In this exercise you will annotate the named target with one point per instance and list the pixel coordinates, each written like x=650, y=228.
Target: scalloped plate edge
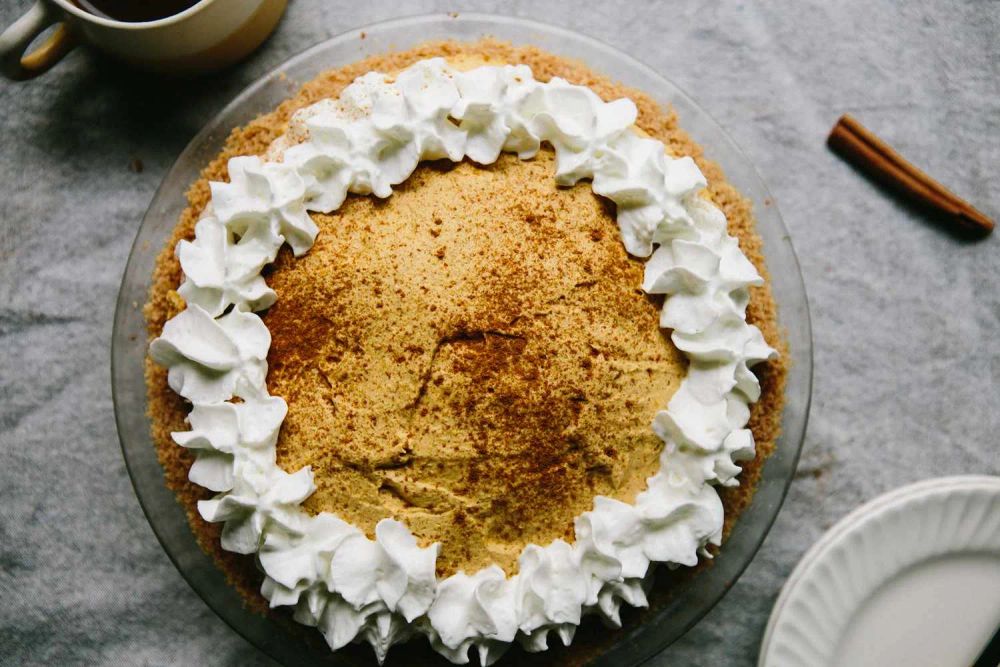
x=795, y=590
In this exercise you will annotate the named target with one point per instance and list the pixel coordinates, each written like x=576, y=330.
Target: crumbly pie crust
x=153, y=305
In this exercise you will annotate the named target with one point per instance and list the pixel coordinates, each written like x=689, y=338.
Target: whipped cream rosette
x=384, y=590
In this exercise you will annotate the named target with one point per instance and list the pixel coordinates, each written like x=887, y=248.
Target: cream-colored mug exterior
x=204, y=37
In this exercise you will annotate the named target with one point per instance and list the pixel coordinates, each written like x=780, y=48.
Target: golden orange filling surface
x=472, y=356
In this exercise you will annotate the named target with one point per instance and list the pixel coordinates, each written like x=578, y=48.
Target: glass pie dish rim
x=696, y=594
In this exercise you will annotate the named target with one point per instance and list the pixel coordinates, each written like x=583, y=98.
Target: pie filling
x=468, y=361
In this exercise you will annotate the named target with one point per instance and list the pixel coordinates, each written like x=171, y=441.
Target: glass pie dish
x=689, y=597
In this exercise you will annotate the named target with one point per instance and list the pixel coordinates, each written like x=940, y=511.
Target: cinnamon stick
x=856, y=144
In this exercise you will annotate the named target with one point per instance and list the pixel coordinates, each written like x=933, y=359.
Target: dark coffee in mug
x=134, y=11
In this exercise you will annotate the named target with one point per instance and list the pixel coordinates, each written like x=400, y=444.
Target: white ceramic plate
x=911, y=578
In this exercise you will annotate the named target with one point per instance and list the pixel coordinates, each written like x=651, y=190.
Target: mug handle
x=14, y=62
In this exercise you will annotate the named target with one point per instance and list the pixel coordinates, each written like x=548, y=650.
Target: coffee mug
x=209, y=35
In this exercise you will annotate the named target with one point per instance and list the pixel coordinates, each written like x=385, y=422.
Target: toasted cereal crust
x=167, y=410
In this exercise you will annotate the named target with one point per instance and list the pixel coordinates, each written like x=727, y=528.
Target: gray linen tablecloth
x=905, y=315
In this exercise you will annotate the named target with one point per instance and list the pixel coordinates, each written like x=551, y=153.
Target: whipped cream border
x=384, y=590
